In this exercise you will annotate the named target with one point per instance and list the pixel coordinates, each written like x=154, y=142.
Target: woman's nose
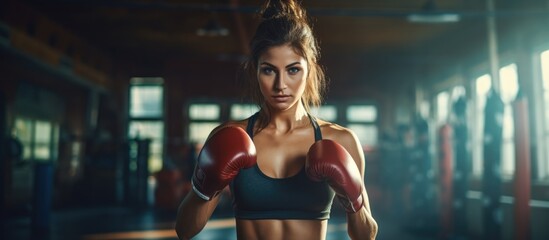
x=280, y=83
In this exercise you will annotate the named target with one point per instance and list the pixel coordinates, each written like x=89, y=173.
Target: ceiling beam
x=231, y=7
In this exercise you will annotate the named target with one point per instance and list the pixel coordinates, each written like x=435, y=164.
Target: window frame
x=508, y=165
x=477, y=128
x=161, y=118
x=52, y=144
x=540, y=121
x=226, y=105
x=223, y=116
x=342, y=108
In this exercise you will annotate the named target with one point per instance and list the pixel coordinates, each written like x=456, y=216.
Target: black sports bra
x=258, y=196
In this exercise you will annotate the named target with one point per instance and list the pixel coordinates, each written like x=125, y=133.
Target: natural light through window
x=23, y=131
x=361, y=113
x=199, y=131
x=544, y=61
x=243, y=111
x=152, y=130
x=204, y=111
x=204, y=117
x=545, y=77
x=146, y=101
x=508, y=91
x=443, y=101
x=457, y=92
x=508, y=82
x=147, y=117
x=325, y=112
x=362, y=120
x=367, y=134
x=482, y=86
x=42, y=138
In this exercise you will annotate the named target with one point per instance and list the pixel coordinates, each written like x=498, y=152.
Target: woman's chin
x=281, y=106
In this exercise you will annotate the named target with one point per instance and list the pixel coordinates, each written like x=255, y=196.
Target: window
x=367, y=134
x=508, y=91
x=544, y=159
x=243, y=111
x=40, y=138
x=23, y=131
x=545, y=81
x=198, y=132
x=204, y=117
x=152, y=130
x=508, y=83
x=146, y=101
x=481, y=87
x=443, y=107
x=146, y=114
x=361, y=119
x=457, y=92
x=361, y=113
x=325, y=112
x=204, y=111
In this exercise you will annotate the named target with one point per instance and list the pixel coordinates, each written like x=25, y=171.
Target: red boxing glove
x=328, y=160
x=223, y=155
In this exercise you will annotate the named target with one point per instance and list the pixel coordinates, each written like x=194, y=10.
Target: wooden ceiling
x=166, y=30
x=152, y=28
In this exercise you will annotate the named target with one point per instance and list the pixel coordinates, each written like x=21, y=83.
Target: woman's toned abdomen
x=272, y=229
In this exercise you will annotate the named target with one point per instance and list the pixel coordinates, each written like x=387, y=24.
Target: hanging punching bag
x=461, y=166
x=522, y=169
x=445, y=168
x=491, y=183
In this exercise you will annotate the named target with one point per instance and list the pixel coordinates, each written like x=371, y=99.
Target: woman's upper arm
x=240, y=124
x=348, y=139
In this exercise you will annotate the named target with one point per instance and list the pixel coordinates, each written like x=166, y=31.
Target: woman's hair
x=285, y=22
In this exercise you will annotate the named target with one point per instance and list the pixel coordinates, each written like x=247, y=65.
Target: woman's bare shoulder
x=240, y=124
x=336, y=132
x=347, y=138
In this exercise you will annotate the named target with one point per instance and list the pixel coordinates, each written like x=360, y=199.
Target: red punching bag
x=522, y=169
x=446, y=155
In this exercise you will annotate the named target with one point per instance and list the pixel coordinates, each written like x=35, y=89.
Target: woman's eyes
x=269, y=71
x=293, y=70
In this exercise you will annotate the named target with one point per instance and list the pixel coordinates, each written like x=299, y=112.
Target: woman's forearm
x=193, y=214
x=362, y=225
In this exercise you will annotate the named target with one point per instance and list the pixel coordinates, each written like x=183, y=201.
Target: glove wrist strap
x=198, y=193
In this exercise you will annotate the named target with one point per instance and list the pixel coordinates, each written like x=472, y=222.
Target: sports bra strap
x=251, y=124
x=316, y=127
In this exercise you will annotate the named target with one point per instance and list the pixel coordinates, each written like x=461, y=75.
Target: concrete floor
x=119, y=222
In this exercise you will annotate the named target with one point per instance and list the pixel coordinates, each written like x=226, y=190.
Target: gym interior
x=105, y=105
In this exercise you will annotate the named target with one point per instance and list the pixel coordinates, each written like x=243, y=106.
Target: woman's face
x=282, y=76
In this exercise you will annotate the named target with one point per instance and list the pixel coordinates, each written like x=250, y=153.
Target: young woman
x=283, y=165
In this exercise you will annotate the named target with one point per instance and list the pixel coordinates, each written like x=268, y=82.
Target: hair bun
x=283, y=8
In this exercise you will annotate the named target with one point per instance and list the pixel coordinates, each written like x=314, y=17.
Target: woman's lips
x=281, y=98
